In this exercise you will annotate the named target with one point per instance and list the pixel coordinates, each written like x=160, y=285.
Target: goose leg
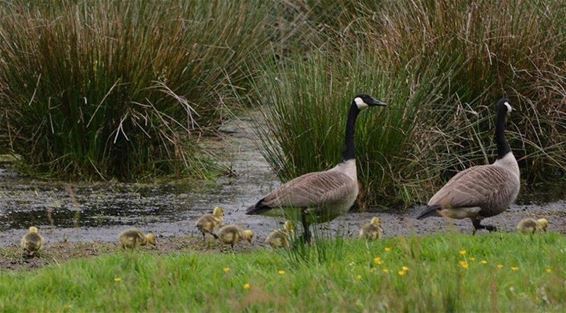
x=477, y=225
x=307, y=233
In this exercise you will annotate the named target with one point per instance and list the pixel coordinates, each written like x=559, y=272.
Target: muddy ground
x=85, y=219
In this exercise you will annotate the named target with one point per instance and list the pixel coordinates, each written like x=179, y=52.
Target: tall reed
x=102, y=89
x=441, y=65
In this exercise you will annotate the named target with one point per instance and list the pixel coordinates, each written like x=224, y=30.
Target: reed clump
x=441, y=65
x=122, y=89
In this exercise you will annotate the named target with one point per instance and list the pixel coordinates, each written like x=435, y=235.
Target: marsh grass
x=441, y=273
x=441, y=66
x=120, y=89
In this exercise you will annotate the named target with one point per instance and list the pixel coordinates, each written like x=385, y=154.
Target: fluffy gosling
x=232, y=234
x=132, y=238
x=530, y=225
x=280, y=238
x=208, y=222
x=372, y=230
x=32, y=241
x=542, y=224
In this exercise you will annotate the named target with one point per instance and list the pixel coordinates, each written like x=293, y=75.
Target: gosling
x=372, y=230
x=542, y=224
x=530, y=225
x=208, y=222
x=32, y=242
x=132, y=238
x=280, y=238
x=232, y=234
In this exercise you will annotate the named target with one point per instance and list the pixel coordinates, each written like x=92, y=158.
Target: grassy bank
x=442, y=273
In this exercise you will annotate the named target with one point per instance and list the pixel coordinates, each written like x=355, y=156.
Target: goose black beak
x=377, y=103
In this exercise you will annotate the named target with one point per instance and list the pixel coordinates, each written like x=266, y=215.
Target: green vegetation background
x=126, y=89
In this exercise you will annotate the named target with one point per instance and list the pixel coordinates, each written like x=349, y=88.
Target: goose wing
x=478, y=186
x=307, y=191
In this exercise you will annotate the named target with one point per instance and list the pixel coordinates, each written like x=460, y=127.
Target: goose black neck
x=350, y=150
x=502, y=144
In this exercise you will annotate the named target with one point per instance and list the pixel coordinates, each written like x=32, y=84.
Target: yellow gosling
x=232, y=234
x=542, y=224
x=281, y=238
x=32, y=241
x=132, y=238
x=208, y=222
x=372, y=230
x=530, y=225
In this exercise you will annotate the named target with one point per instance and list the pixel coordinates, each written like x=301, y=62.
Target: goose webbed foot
x=490, y=228
x=477, y=225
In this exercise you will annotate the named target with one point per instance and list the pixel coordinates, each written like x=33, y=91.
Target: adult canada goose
x=132, y=238
x=208, y=222
x=320, y=196
x=32, y=241
x=371, y=230
x=481, y=191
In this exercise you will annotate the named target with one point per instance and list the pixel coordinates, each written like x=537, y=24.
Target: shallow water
x=99, y=212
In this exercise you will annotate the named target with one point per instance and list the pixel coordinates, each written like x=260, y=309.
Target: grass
x=440, y=273
x=442, y=83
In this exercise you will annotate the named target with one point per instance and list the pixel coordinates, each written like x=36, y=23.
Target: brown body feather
x=326, y=194
x=489, y=188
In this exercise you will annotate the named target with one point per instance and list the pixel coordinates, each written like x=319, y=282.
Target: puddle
x=99, y=212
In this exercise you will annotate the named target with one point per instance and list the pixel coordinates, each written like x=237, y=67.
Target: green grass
x=531, y=279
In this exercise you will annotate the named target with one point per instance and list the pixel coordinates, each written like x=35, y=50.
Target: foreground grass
x=450, y=272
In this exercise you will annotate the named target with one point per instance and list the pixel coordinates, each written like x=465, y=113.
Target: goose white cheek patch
x=360, y=103
x=509, y=108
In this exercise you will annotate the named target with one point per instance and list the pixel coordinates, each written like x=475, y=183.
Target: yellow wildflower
x=499, y=266
x=226, y=269
x=483, y=262
x=281, y=272
x=402, y=273
x=404, y=268
x=472, y=259
x=548, y=270
x=359, y=277
x=377, y=260
x=462, y=252
x=247, y=286
x=463, y=264
x=514, y=268
x=387, y=249
x=386, y=270
x=117, y=279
